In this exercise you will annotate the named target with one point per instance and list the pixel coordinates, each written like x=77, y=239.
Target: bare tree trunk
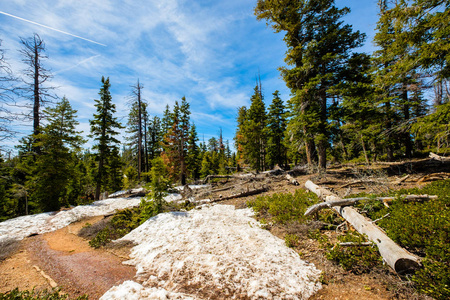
x=364, y=149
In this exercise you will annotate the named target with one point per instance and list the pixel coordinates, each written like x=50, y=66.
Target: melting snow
x=217, y=251
x=21, y=227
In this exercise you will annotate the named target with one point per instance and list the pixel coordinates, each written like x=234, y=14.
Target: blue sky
x=209, y=51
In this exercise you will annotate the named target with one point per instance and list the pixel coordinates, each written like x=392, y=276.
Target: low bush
x=284, y=207
x=35, y=295
x=424, y=229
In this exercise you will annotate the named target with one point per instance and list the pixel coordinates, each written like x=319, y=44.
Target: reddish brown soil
x=66, y=259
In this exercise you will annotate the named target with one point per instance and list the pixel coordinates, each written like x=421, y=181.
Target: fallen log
x=207, y=178
x=434, y=176
x=292, y=180
x=351, y=201
x=357, y=182
x=400, y=180
x=396, y=257
x=438, y=157
x=243, y=194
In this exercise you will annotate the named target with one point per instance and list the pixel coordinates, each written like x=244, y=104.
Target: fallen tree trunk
x=438, y=157
x=396, y=257
x=434, y=176
x=351, y=201
x=357, y=182
x=207, y=178
x=400, y=180
x=292, y=180
x=243, y=194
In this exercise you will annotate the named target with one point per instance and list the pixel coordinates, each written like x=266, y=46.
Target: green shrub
x=121, y=223
x=356, y=258
x=291, y=240
x=284, y=207
x=35, y=295
x=424, y=229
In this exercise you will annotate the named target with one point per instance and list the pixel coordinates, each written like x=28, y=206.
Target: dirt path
x=64, y=259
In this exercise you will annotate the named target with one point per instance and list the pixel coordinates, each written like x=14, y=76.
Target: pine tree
x=276, y=125
x=54, y=167
x=255, y=134
x=318, y=49
x=193, y=161
x=136, y=125
x=103, y=131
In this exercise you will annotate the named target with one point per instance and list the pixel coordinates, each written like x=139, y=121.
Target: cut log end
x=405, y=266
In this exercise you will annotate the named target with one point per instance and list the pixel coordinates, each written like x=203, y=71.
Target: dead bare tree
x=7, y=92
x=35, y=79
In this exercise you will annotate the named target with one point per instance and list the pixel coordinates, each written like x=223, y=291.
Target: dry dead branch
x=292, y=180
x=243, y=194
x=400, y=180
x=351, y=201
x=358, y=182
x=434, y=176
x=438, y=157
x=396, y=257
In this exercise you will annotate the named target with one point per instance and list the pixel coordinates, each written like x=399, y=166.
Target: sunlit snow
x=216, y=251
x=21, y=227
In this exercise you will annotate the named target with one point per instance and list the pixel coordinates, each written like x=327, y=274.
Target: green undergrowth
x=423, y=228
x=37, y=295
x=283, y=207
x=124, y=221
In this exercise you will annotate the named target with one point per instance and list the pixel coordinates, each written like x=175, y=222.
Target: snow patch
x=217, y=251
x=131, y=290
x=21, y=227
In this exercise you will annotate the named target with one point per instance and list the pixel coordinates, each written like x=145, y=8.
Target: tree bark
x=396, y=257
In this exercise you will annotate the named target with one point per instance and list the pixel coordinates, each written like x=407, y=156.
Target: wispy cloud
x=51, y=28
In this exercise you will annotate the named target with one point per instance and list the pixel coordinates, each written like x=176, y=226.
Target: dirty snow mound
x=131, y=290
x=216, y=252
x=24, y=226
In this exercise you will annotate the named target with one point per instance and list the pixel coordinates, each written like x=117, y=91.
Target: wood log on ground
x=438, y=157
x=357, y=182
x=351, y=201
x=292, y=180
x=400, y=180
x=243, y=194
x=207, y=178
x=350, y=244
x=396, y=257
x=434, y=176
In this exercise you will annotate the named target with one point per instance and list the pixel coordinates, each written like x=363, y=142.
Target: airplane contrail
x=76, y=65
x=51, y=28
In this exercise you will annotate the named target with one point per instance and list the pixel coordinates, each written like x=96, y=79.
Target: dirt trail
x=67, y=260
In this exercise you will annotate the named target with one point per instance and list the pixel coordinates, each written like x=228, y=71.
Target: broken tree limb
x=207, y=178
x=400, y=180
x=438, y=157
x=434, y=176
x=349, y=244
x=351, y=201
x=243, y=194
x=292, y=180
x=396, y=257
x=357, y=182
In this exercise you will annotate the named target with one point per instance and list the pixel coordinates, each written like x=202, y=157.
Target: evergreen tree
x=193, y=154
x=103, y=131
x=276, y=125
x=255, y=133
x=318, y=49
x=55, y=167
x=136, y=125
